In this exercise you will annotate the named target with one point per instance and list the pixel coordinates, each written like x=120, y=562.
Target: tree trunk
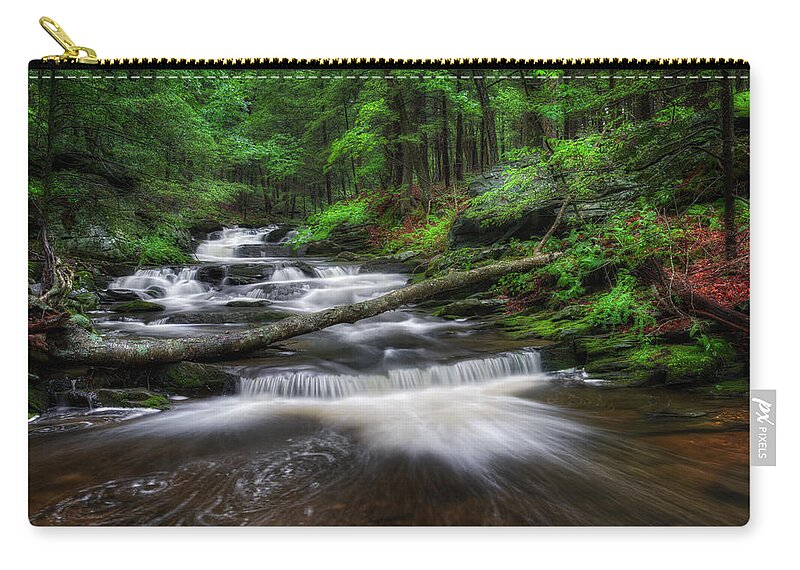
x=489, y=135
x=726, y=111
x=459, y=158
x=445, y=143
x=264, y=191
x=75, y=345
x=689, y=301
x=326, y=171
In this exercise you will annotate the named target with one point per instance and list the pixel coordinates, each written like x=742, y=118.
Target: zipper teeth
x=441, y=63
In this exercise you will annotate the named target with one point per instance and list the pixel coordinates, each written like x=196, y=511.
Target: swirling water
x=404, y=418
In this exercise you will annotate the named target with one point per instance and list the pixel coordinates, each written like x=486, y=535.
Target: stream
x=400, y=419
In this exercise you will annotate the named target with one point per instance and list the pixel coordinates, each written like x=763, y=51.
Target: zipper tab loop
x=72, y=52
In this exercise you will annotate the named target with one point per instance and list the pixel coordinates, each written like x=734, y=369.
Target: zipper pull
x=72, y=52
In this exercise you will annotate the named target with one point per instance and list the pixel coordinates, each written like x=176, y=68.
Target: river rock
x=82, y=321
x=129, y=398
x=37, y=395
x=247, y=303
x=284, y=291
x=249, y=250
x=119, y=295
x=390, y=264
x=201, y=230
x=138, y=306
x=346, y=256
x=213, y=274
x=86, y=300
x=307, y=269
x=154, y=292
x=194, y=379
x=323, y=247
x=248, y=273
x=471, y=308
x=117, y=270
x=278, y=234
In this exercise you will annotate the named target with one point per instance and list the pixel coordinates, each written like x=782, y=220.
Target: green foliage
x=428, y=237
x=580, y=258
x=688, y=360
x=635, y=235
x=346, y=212
x=645, y=356
x=714, y=346
x=741, y=104
x=35, y=190
x=622, y=305
x=159, y=250
x=514, y=284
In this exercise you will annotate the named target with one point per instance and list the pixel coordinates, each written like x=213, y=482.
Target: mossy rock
x=546, y=325
x=192, y=378
x=131, y=398
x=687, y=362
x=87, y=300
x=138, y=306
x=471, y=308
x=624, y=359
x=247, y=303
x=84, y=280
x=37, y=396
x=346, y=256
x=82, y=321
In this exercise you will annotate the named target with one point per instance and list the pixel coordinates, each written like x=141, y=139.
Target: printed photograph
x=406, y=297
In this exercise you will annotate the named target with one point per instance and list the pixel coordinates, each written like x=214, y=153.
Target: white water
x=309, y=384
x=180, y=283
x=288, y=287
x=383, y=421
x=222, y=245
x=400, y=382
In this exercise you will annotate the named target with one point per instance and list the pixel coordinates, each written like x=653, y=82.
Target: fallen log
x=689, y=300
x=77, y=346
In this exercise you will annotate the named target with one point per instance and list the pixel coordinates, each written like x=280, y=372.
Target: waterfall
x=288, y=273
x=304, y=384
x=243, y=243
x=161, y=282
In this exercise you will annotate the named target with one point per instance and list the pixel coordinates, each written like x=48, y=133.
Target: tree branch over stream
x=77, y=346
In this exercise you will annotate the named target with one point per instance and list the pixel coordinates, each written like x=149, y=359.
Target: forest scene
x=388, y=296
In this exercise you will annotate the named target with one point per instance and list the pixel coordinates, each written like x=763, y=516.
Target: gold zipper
x=77, y=55
x=72, y=52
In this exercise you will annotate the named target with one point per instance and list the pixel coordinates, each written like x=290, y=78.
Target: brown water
x=404, y=419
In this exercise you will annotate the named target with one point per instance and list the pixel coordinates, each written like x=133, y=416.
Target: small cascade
x=161, y=282
x=337, y=271
x=243, y=243
x=314, y=385
x=288, y=273
x=290, y=235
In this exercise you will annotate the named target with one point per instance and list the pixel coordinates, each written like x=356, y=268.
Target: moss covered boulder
x=130, y=398
x=471, y=308
x=624, y=360
x=82, y=321
x=194, y=379
x=568, y=323
x=37, y=396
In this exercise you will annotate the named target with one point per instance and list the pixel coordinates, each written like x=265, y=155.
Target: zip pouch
x=382, y=292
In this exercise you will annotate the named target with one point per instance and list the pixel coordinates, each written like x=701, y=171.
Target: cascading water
x=163, y=282
x=403, y=418
x=305, y=384
x=244, y=243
